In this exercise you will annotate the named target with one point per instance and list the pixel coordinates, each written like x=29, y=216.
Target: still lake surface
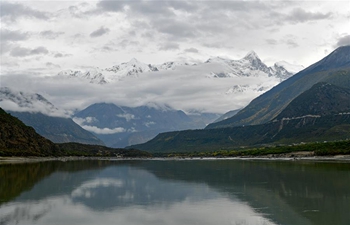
x=181, y=192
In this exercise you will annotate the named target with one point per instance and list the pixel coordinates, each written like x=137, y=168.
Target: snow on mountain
x=93, y=75
x=289, y=67
x=172, y=65
x=251, y=66
x=248, y=66
x=19, y=101
x=131, y=68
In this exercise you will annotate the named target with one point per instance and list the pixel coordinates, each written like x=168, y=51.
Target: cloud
x=127, y=116
x=169, y=46
x=299, y=15
x=18, y=101
x=61, y=55
x=13, y=35
x=192, y=50
x=50, y=34
x=52, y=65
x=99, y=32
x=81, y=122
x=23, y=52
x=13, y=11
x=343, y=41
x=271, y=41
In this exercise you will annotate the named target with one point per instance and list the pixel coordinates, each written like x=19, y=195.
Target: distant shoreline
x=275, y=157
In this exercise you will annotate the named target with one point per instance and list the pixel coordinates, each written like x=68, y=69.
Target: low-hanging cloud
x=81, y=122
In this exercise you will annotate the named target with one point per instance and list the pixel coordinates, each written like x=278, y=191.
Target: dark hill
x=20, y=139
x=322, y=99
x=57, y=129
x=334, y=69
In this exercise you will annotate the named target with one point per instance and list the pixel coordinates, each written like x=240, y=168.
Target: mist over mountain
x=47, y=120
x=184, y=85
x=249, y=66
x=120, y=126
x=334, y=69
x=313, y=105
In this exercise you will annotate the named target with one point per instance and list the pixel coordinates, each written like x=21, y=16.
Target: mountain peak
x=251, y=55
x=134, y=61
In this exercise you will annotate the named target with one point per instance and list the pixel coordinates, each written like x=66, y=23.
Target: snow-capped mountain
x=216, y=67
x=131, y=68
x=120, y=126
x=19, y=101
x=93, y=75
x=251, y=66
x=47, y=120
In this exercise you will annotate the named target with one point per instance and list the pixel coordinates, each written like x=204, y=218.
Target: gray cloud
x=61, y=55
x=193, y=50
x=50, y=34
x=23, y=52
x=271, y=41
x=112, y=6
x=299, y=15
x=169, y=46
x=99, y=32
x=343, y=41
x=13, y=35
x=13, y=11
x=52, y=65
x=291, y=43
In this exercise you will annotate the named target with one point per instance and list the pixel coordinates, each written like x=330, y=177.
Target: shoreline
x=275, y=157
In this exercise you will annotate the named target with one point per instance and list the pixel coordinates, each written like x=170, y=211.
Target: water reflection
x=176, y=192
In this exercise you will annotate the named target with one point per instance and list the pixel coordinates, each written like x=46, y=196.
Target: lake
x=169, y=192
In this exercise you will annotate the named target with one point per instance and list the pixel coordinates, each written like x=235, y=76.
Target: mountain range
x=216, y=67
x=313, y=105
x=120, y=126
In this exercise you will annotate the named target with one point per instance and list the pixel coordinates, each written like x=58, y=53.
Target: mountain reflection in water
x=175, y=192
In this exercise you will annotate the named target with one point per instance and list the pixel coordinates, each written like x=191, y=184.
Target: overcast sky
x=44, y=36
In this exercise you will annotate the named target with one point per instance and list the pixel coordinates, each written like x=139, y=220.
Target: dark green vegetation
x=334, y=69
x=301, y=150
x=322, y=99
x=17, y=139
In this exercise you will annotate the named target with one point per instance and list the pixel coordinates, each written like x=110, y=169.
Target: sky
x=41, y=38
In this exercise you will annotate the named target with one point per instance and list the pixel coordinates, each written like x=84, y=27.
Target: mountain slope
x=57, y=129
x=319, y=114
x=20, y=139
x=36, y=111
x=320, y=100
x=120, y=126
x=334, y=69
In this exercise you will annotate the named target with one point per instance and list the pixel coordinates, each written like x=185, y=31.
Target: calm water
x=175, y=192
